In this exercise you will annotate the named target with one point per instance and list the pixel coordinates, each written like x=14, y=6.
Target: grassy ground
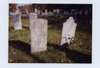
x=81, y=52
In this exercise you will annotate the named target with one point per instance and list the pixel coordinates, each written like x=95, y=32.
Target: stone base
x=18, y=28
x=38, y=49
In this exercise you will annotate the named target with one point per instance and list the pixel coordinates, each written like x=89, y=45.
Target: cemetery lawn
x=81, y=51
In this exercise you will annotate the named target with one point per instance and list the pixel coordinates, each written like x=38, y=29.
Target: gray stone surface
x=58, y=11
x=27, y=13
x=36, y=10
x=46, y=12
x=39, y=35
x=68, y=31
x=16, y=20
x=32, y=16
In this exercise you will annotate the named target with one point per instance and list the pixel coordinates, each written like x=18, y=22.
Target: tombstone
x=39, y=35
x=42, y=13
x=80, y=12
x=36, y=10
x=76, y=11
x=72, y=11
x=27, y=13
x=68, y=32
x=55, y=14
x=16, y=20
x=46, y=12
x=58, y=11
x=61, y=14
x=54, y=10
x=50, y=13
x=32, y=16
x=86, y=12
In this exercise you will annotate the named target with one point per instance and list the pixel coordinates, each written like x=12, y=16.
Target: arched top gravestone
x=68, y=32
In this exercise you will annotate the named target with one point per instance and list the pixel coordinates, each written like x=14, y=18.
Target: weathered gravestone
x=17, y=20
x=86, y=12
x=46, y=12
x=38, y=12
x=27, y=13
x=80, y=12
x=58, y=11
x=61, y=14
x=38, y=35
x=32, y=16
x=68, y=32
x=35, y=10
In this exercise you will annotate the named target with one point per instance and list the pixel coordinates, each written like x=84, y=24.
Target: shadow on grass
x=25, y=27
x=75, y=56
x=24, y=47
x=11, y=28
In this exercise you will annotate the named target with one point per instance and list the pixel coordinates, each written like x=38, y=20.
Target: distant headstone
x=72, y=11
x=50, y=13
x=68, y=32
x=42, y=13
x=55, y=14
x=58, y=11
x=86, y=12
x=54, y=10
x=36, y=10
x=27, y=13
x=76, y=11
x=46, y=12
x=32, y=16
x=39, y=35
x=16, y=20
x=80, y=12
x=61, y=14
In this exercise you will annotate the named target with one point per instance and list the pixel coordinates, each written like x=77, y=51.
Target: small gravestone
x=42, y=13
x=68, y=32
x=16, y=20
x=46, y=12
x=50, y=13
x=80, y=12
x=54, y=10
x=61, y=14
x=72, y=11
x=86, y=12
x=38, y=35
x=58, y=11
x=32, y=16
x=27, y=13
x=36, y=10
